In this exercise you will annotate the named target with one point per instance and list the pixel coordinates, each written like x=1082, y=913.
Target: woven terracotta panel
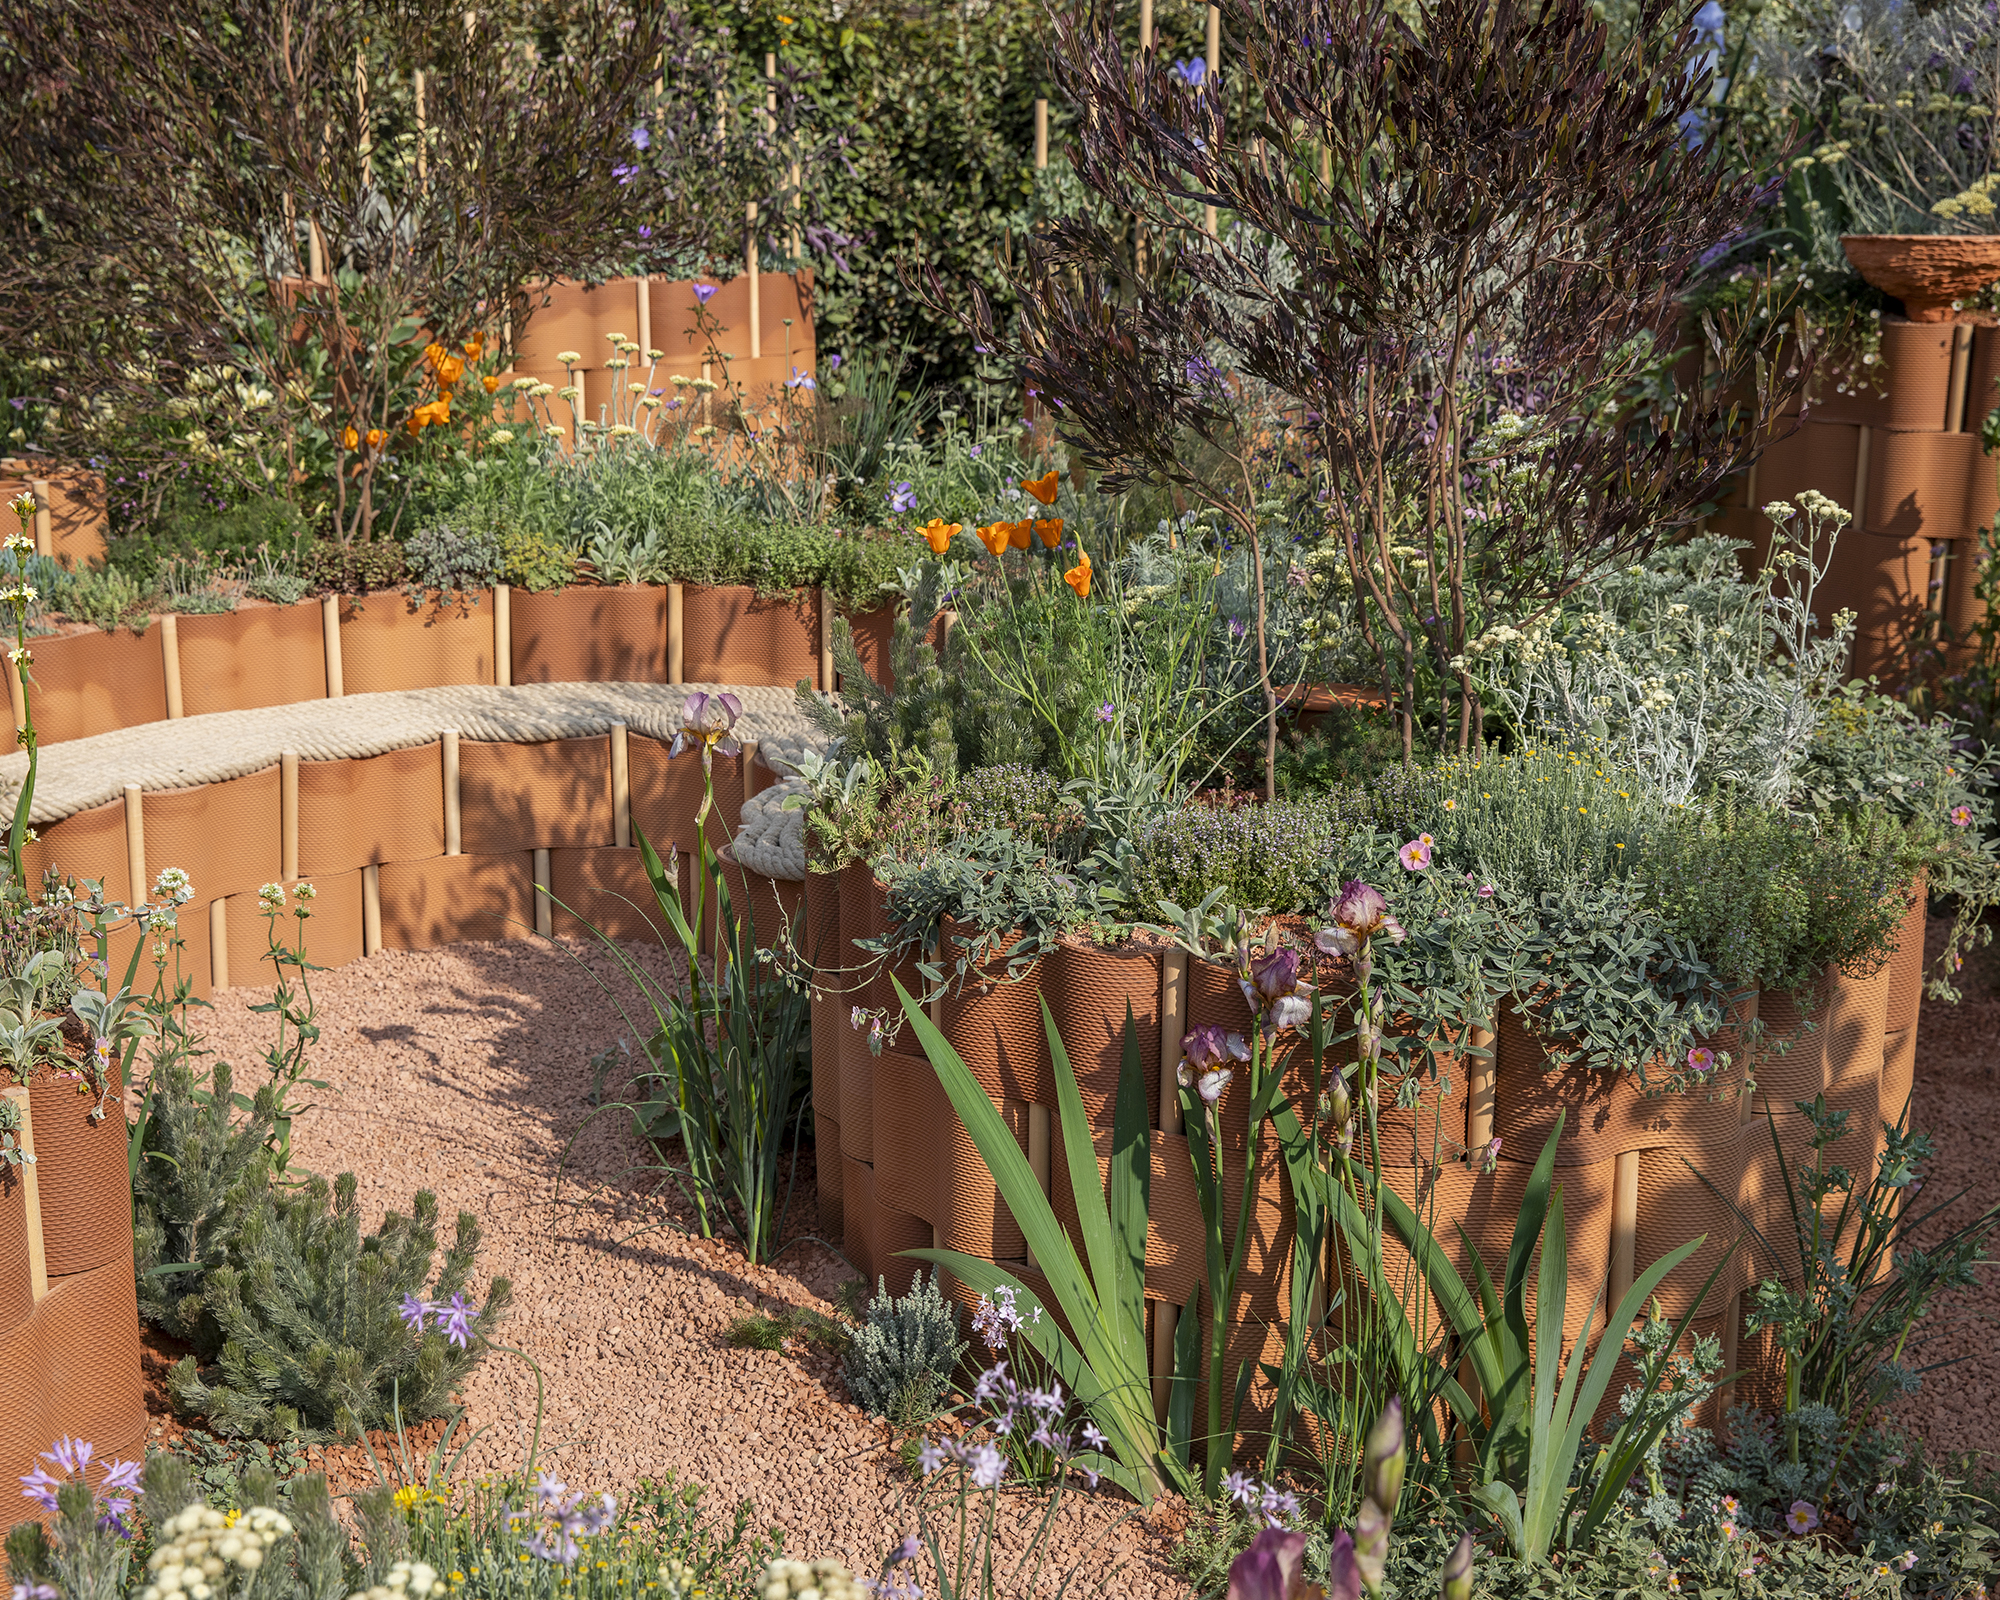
x=666, y=793
x=1820, y=455
x=1919, y=483
x=995, y=1024
x=383, y=645
x=17, y=1289
x=332, y=933
x=1856, y=1011
x=1675, y=1205
x=926, y=1164
x=258, y=656
x=26, y=1398
x=856, y=1110
x=90, y=845
x=551, y=795
x=80, y=1170
x=826, y=1152
x=730, y=635
x=591, y=635
x=1432, y=1129
x=829, y=1014
x=604, y=889
x=96, y=682
x=1215, y=997
x=452, y=898
x=1089, y=989
x=224, y=836
x=1906, y=387
x=368, y=810
x=1899, y=1071
x=764, y=907
x=1906, y=966
x=1791, y=1059
x=877, y=1233
x=873, y=633
x=93, y=1350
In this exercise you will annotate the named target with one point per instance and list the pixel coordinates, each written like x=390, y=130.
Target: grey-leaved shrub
x=904, y=1352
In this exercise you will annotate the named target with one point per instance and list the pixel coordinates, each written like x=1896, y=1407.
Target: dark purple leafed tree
x=1443, y=295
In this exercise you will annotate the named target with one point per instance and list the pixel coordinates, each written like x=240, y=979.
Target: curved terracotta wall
x=262, y=655
x=1901, y=450
x=909, y=1176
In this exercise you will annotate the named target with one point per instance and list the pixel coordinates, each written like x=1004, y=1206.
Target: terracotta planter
x=1920, y=484
x=994, y=1022
x=81, y=1173
x=1908, y=386
x=86, y=683
x=874, y=632
x=615, y=634
x=1089, y=989
x=17, y=1287
x=1604, y=1112
x=1927, y=272
x=829, y=1016
x=1790, y=1060
x=1906, y=966
x=253, y=657
x=860, y=918
x=730, y=635
x=385, y=646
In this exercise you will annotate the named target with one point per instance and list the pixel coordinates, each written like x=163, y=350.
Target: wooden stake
x=826, y=615
x=1624, y=1224
x=644, y=285
x=676, y=643
x=1173, y=1024
x=453, y=833
x=1481, y=1078
x=38, y=1260
x=1166, y=1318
x=503, y=634
x=1961, y=363
x=170, y=660
x=1041, y=135
x=361, y=117
x=1145, y=24
x=756, y=299
x=545, y=911
x=288, y=815
x=1213, y=59
x=423, y=162
x=329, y=614
x=1861, y=451
x=621, y=788
x=45, y=528
x=1038, y=1150
x=371, y=909
x=218, y=944
x=746, y=766
x=135, y=843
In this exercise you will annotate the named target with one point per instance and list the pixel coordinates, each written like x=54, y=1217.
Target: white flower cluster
x=407, y=1580
x=204, y=1551
x=795, y=1580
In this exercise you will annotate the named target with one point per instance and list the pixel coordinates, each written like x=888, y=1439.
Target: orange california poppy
x=376, y=436
x=434, y=353
x=996, y=536
x=1042, y=488
x=491, y=382
x=449, y=371
x=1017, y=533
x=349, y=438
x=1078, y=576
x=475, y=347
x=1049, y=531
x=940, y=534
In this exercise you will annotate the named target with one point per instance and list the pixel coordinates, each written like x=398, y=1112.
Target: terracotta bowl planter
x=1927, y=272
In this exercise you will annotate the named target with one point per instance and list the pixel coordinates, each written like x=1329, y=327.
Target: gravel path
x=465, y=1070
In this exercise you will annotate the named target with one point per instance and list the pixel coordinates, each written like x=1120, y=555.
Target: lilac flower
x=40, y=1486
x=549, y=1489
x=642, y=138
x=455, y=1319
x=413, y=1313
x=36, y=1591
x=800, y=380
x=1191, y=72
x=902, y=497
x=833, y=363
x=977, y=450
x=929, y=1458
x=553, y=1544
x=905, y=1552
x=708, y=720
x=1209, y=1045
x=704, y=292
x=1107, y=712
x=1236, y=628
x=988, y=1466
x=1092, y=1438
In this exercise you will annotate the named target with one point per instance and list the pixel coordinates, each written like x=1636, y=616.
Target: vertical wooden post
x=676, y=643
x=453, y=834
x=315, y=252
x=1861, y=453
x=288, y=815
x=329, y=615
x=218, y=943
x=645, y=292
x=503, y=634
x=1038, y=1151
x=1145, y=24
x=1166, y=1321
x=417, y=90
x=750, y=267
x=361, y=118
x=621, y=788
x=45, y=527
x=371, y=909
x=38, y=1260
x=826, y=616
x=1481, y=1078
x=746, y=766
x=545, y=912
x=1961, y=365
x=135, y=843
x=170, y=660
x=1624, y=1224
x=1173, y=1024
x=1041, y=134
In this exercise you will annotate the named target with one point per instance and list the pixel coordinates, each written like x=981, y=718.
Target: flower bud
x=1383, y=1458
x=1458, y=1571
x=1371, y=1544
x=1340, y=1104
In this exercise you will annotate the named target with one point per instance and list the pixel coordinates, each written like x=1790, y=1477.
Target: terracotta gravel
x=465, y=1070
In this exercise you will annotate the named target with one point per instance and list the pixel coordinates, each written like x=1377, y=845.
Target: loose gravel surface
x=466, y=1071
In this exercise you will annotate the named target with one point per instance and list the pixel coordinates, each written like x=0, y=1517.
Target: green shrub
x=1031, y=803
x=1277, y=856
x=190, y=526
x=104, y=597
x=353, y=569
x=903, y=1354
x=316, y=1320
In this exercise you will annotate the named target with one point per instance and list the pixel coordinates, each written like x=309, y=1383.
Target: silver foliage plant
x=904, y=1352
x=1682, y=670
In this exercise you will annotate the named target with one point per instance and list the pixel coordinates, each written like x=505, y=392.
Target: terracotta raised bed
x=257, y=655
x=17, y=1286
x=81, y=1172
x=95, y=682
x=614, y=634
x=384, y=645
x=731, y=635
